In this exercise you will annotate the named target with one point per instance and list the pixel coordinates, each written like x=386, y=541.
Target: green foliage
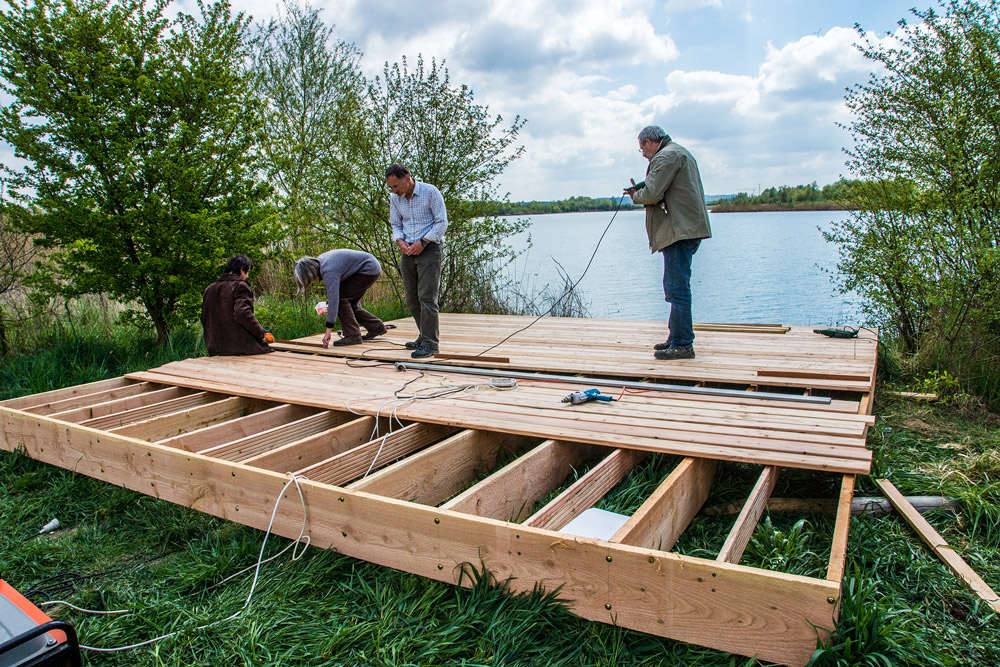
x=140, y=138
x=923, y=245
x=419, y=118
x=787, y=197
x=788, y=550
x=571, y=205
x=871, y=633
x=310, y=82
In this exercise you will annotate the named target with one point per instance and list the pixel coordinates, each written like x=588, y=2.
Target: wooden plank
x=587, y=424
x=746, y=522
x=90, y=399
x=939, y=545
x=586, y=491
x=146, y=412
x=723, y=606
x=473, y=357
x=511, y=492
x=272, y=438
x=319, y=447
x=838, y=547
x=35, y=400
x=188, y=419
x=119, y=405
x=376, y=454
x=669, y=510
x=437, y=473
x=255, y=422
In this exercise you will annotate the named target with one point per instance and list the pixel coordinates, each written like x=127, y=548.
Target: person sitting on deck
x=346, y=275
x=227, y=316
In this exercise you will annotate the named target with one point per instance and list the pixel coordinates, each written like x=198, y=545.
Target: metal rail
x=627, y=384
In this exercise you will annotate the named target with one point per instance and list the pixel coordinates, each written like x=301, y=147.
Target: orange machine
x=29, y=638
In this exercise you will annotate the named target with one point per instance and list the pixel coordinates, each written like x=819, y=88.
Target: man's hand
x=414, y=248
x=326, y=338
x=630, y=190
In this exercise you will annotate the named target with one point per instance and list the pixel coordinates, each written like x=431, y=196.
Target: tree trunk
x=3, y=335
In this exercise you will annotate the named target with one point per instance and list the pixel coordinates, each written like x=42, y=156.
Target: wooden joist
x=687, y=426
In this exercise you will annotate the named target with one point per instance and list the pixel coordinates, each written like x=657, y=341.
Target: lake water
x=757, y=267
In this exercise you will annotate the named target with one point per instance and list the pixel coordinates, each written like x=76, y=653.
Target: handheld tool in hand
x=578, y=397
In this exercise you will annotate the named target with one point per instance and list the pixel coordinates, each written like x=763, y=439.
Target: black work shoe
x=672, y=353
x=424, y=351
x=376, y=333
x=413, y=344
x=665, y=345
x=348, y=340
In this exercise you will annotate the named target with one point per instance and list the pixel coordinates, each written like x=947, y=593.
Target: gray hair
x=652, y=133
x=306, y=273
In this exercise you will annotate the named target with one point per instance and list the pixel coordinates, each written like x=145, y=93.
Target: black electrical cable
x=568, y=291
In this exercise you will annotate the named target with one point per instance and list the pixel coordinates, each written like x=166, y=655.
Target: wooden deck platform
x=743, y=354
x=415, y=484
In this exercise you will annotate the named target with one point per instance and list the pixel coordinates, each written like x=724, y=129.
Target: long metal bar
x=628, y=384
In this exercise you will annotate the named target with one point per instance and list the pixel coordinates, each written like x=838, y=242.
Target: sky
x=753, y=88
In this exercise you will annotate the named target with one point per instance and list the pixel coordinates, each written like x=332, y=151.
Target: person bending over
x=346, y=275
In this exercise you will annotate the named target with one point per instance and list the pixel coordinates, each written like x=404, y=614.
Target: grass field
x=167, y=564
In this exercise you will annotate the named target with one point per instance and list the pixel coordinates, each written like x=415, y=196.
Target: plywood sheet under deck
x=768, y=432
x=741, y=354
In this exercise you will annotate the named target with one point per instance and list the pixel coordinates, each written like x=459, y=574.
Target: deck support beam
x=719, y=605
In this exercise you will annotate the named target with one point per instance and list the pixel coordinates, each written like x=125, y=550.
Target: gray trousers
x=421, y=279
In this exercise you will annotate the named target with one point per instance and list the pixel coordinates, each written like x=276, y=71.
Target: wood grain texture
x=719, y=605
x=939, y=545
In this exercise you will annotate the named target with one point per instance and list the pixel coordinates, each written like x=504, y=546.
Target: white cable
x=85, y=611
x=260, y=561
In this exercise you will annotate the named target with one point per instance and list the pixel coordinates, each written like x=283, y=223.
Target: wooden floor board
x=739, y=353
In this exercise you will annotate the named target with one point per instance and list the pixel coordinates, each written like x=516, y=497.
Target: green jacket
x=673, y=180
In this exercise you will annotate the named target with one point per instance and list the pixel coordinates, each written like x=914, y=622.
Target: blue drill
x=578, y=397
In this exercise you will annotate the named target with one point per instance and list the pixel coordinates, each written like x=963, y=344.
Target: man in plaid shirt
x=418, y=219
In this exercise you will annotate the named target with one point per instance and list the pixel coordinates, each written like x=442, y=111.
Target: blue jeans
x=677, y=290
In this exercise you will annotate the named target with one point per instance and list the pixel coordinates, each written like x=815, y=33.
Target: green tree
x=141, y=140
x=419, y=118
x=922, y=246
x=309, y=80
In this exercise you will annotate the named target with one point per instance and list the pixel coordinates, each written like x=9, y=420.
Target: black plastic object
x=49, y=654
x=838, y=332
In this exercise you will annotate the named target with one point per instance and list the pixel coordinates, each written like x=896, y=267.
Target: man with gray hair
x=418, y=219
x=346, y=275
x=676, y=222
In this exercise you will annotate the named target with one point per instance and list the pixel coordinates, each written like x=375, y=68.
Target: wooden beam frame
x=375, y=454
x=319, y=447
x=116, y=404
x=272, y=438
x=511, y=492
x=669, y=510
x=437, y=473
x=170, y=424
x=715, y=604
x=582, y=494
x=746, y=522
